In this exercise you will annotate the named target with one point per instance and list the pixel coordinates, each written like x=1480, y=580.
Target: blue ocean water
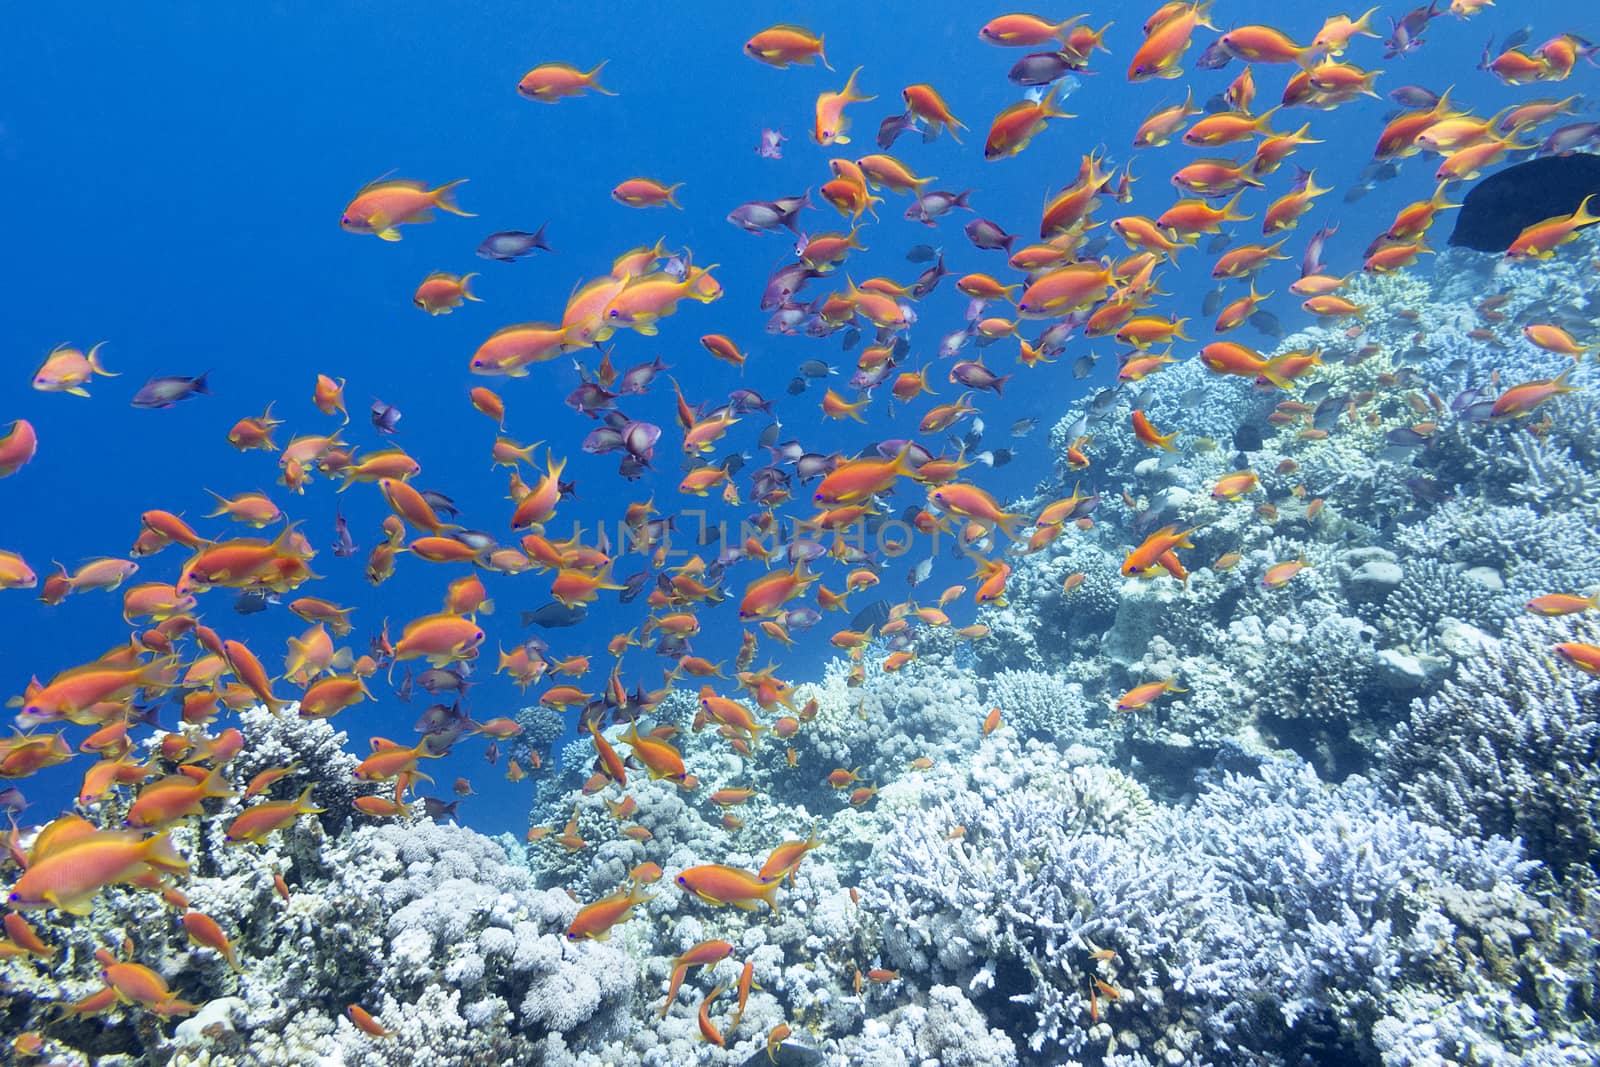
x=182, y=172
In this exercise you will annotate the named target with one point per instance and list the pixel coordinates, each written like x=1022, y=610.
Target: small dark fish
x=440, y=503
x=1217, y=104
x=919, y=573
x=1043, y=68
x=438, y=680
x=589, y=398
x=437, y=809
x=922, y=254
x=11, y=800
x=784, y=283
x=632, y=586
x=1316, y=392
x=1024, y=426
x=1406, y=437
x=890, y=129
x=637, y=379
x=1325, y=416
x=929, y=279
x=851, y=338
x=744, y=401
x=1103, y=401
x=796, y=386
x=344, y=546
x=1215, y=57
x=874, y=615
x=1516, y=38
x=798, y=620
x=554, y=615
x=385, y=417
x=1414, y=96
x=1219, y=243
x=1094, y=246
x=1311, y=262
x=402, y=692
x=252, y=601
x=1428, y=491
x=1000, y=457
x=815, y=368
x=1213, y=301
x=975, y=375
x=169, y=391
x=1266, y=322
x=508, y=246
x=987, y=235
x=602, y=440
x=492, y=753
x=812, y=465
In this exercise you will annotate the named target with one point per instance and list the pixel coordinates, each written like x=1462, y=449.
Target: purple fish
x=440, y=503
x=929, y=279
x=955, y=341
x=1215, y=57
x=787, y=319
x=987, y=235
x=744, y=401
x=871, y=377
x=640, y=438
x=762, y=216
x=916, y=454
x=590, y=398
x=798, y=619
x=974, y=375
x=1413, y=96
x=890, y=129
x=1311, y=262
x=1043, y=68
x=930, y=206
x=12, y=800
x=402, y=691
x=1570, y=138
x=636, y=380
x=771, y=144
x=168, y=391
x=344, y=545
x=784, y=283
x=508, y=246
x=384, y=416
x=602, y=440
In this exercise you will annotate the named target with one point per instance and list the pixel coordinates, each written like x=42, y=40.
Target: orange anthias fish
x=784, y=45
x=717, y=884
x=594, y=921
x=386, y=204
x=1142, y=696
x=442, y=292
x=1017, y=125
x=550, y=82
x=1522, y=399
x=67, y=370
x=1167, y=38
x=1150, y=436
x=68, y=873
x=1145, y=560
x=831, y=122
x=1541, y=240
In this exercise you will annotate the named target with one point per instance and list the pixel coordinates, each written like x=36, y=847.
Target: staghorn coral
x=1510, y=746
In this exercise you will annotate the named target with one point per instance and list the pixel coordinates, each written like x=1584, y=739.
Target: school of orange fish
x=66, y=865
